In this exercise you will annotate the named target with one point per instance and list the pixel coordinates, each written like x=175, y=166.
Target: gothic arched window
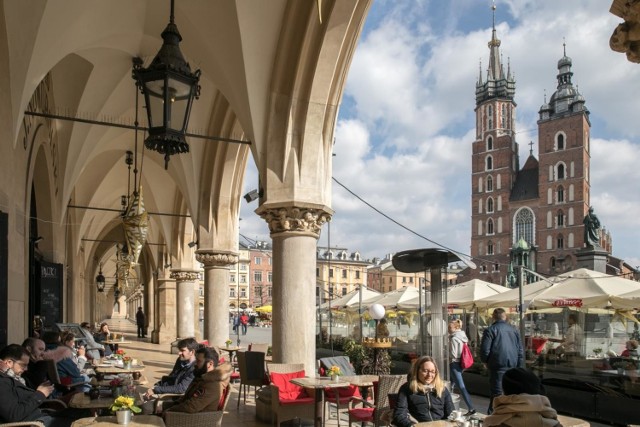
x=523, y=226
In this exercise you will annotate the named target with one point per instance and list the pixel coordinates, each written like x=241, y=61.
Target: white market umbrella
x=627, y=300
x=351, y=299
x=466, y=293
x=581, y=288
x=403, y=298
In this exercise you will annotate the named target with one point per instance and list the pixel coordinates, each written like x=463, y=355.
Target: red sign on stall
x=568, y=302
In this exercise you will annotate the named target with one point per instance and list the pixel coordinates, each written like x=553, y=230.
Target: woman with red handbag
x=457, y=340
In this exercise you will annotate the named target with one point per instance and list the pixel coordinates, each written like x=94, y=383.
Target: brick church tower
x=538, y=208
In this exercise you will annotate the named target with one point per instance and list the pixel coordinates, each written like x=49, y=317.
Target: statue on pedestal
x=591, y=229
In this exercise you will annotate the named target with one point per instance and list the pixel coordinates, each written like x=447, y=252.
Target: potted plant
x=127, y=362
x=119, y=353
x=123, y=406
x=117, y=386
x=334, y=372
x=228, y=342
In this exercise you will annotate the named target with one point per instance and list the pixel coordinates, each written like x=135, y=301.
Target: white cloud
x=404, y=143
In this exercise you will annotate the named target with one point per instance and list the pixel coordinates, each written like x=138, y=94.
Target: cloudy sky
x=406, y=124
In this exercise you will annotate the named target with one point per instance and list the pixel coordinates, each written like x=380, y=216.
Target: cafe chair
x=24, y=423
x=337, y=396
x=252, y=372
x=255, y=346
x=199, y=419
x=374, y=412
x=288, y=400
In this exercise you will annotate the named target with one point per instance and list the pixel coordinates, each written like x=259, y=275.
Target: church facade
x=537, y=208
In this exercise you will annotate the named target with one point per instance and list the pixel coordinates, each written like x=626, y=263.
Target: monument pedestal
x=593, y=259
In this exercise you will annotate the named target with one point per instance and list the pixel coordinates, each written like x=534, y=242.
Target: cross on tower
x=531, y=148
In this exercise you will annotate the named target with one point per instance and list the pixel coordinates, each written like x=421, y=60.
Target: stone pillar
x=216, y=293
x=295, y=231
x=149, y=308
x=185, y=304
x=593, y=259
x=166, y=326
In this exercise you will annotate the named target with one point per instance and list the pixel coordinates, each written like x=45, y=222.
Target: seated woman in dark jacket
x=424, y=397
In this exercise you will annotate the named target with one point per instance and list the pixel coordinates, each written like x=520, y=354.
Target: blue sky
x=405, y=128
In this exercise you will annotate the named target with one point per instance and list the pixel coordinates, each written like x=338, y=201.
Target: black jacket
x=501, y=347
x=18, y=402
x=423, y=407
x=178, y=380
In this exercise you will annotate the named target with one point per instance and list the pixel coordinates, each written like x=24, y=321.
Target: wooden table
x=136, y=421
x=231, y=350
x=318, y=385
x=83, y=401
x=363, y=382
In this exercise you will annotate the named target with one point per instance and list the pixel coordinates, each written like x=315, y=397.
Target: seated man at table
x=206, y=392
x=522, y=403
x=182, y=373
x=19, y=402
x=36, y=373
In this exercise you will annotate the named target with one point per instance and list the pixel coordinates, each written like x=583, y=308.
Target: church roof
x=526, y=186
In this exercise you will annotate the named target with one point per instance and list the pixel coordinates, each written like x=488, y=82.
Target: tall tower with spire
x=540, y=206
x=494, y=162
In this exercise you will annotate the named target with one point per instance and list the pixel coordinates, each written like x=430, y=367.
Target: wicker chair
x=302, y=407
x=255, y=346
x=24, y=423
x=199, y=419
x=373, y=413
x=252, y=372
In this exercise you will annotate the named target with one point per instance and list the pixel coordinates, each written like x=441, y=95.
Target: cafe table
x=231, y=349
x=83, y=401
x=115, y=343
x=115, y=369
x=363, y=382
x=136, y=421
x=318, y=384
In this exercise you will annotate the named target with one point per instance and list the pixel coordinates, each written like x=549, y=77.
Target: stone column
x=149, y=308
x=295, y=231
x=185, y=304
x=166, y=327
x=216, y=293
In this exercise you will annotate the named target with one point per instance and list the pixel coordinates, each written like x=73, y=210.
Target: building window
x=490, y=248
x=560, y=194
x=560, y=241
x=344, y=273
x=357, y=274
x=243, y=267
x=560, y=171
x=503, y=116
x=258, y=292
x=489, y=163
x=344, y=291
x=410, y=279
x=269, y=260
x=496, y=267
x=553, y=262
x=490, y=205
x=243, y=278
x=489, y=183
x=331, y=272
x=317, y=272
x=523, y=222
x=232, y=292
x=560, y=141
x=404, y=280
x=560, y=219
x=269, y=277
x=243, y=293
x=232, y=278
x=269, y=291
x=257, y=260
x=490, y=143
x=490, y=226
x=257, y=276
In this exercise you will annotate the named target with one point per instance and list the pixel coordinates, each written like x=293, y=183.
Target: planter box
x=476, y=383
x=573, y=398
x=616, y=409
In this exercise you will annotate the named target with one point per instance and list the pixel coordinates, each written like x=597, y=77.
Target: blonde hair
x=457, y=323
x=415, y=385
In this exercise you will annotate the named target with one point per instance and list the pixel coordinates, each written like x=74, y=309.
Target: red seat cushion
x=223, y=397
x=344, y=393
x=286, y=389
x=361, y=414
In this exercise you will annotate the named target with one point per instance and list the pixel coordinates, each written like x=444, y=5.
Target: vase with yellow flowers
x=124, y=406
x=334, y=372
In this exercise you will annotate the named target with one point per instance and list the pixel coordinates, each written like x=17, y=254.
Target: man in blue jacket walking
x=501, y=349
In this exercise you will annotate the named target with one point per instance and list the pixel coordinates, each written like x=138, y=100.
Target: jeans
x=244, y=329
x=456, y=378
x=495, y=382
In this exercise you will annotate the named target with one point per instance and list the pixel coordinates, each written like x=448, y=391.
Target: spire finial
x=531, y=148
x=493, y=8
x=545, y=96
x=171, y=16
x=564, y=47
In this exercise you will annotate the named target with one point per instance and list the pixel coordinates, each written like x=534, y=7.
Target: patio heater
x=432, y=259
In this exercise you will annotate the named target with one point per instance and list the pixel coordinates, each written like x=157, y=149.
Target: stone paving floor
x=159, y=361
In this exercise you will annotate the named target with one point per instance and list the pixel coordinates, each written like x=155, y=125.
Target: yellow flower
x=125, y=402
x=334, y=370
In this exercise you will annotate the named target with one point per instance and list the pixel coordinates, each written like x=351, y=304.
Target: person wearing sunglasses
x=424, y=396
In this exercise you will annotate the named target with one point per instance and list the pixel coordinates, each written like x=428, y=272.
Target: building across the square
x=537, y=208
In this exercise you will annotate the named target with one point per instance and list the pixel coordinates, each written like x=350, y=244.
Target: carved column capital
x=212, y=258
x=185, y=275
x=626, y=37
x=303, y=219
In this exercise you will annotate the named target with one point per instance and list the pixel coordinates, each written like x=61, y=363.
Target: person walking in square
x=140, y=321
x=457, y=338
x=500, y=349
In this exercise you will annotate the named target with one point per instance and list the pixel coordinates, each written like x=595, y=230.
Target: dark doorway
x=4, y=260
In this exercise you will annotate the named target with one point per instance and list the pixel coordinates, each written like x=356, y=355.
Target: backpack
x=466, y=358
